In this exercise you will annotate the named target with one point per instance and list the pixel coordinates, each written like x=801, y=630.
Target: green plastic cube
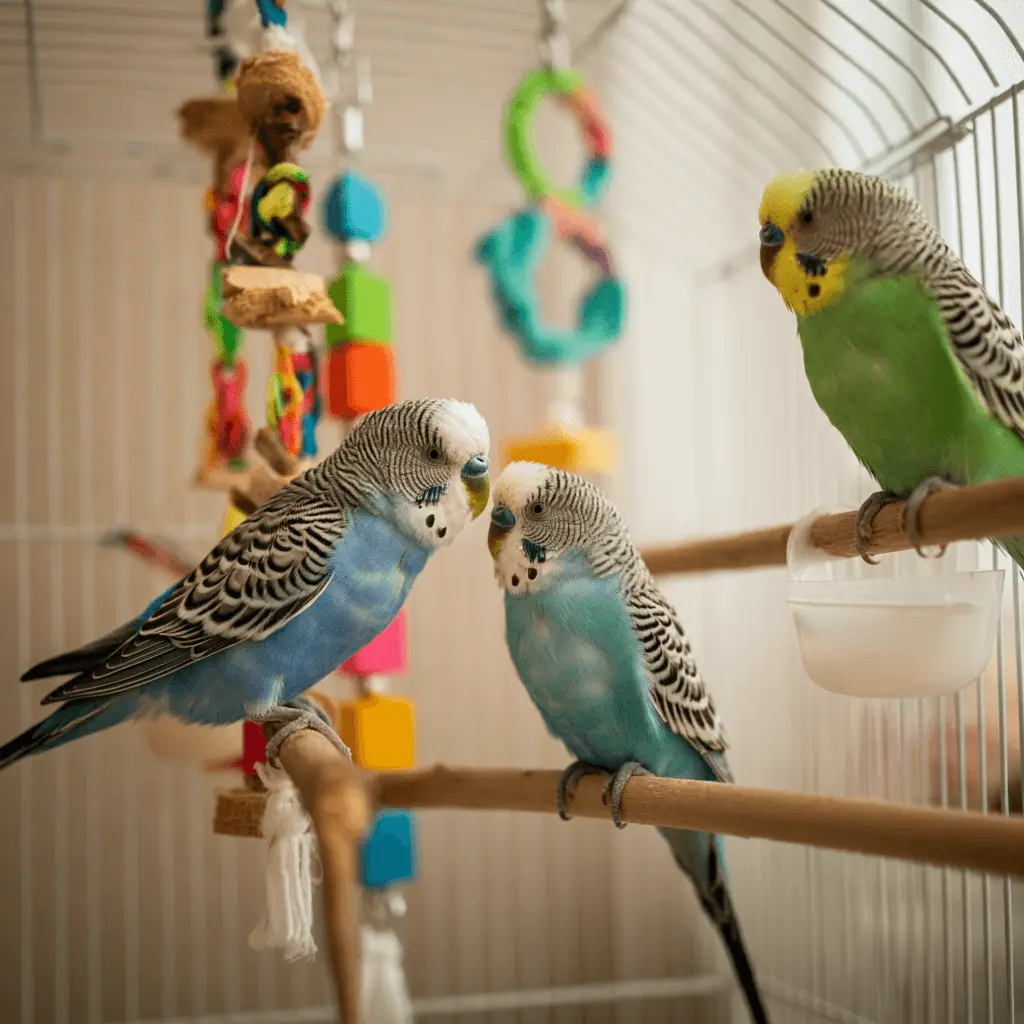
x=364, y=299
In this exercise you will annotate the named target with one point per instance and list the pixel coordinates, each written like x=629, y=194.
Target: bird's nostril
x=477, y=466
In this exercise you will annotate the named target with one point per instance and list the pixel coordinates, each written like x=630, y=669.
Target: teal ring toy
x=513, y=250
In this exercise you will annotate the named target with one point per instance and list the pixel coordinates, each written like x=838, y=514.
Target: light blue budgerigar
x=306, y=581
x=605, y=659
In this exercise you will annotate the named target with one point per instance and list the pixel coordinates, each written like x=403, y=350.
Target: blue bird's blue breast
x=374, y=566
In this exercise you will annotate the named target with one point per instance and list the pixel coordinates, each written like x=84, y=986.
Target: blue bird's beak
x=502, y=522
x=476, y=483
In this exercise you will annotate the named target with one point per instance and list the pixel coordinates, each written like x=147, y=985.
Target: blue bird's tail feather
x=699, y=855
x=69, y=722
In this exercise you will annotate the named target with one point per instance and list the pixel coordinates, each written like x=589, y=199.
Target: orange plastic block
x=380, y=731
x=576, y=451
x=387, y=654
x=360, y=378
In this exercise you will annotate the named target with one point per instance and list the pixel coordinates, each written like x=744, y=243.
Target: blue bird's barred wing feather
x=675, y=685
x=268, y=570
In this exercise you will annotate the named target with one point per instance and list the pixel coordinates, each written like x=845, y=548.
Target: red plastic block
x=387, y=654
x=360, y=378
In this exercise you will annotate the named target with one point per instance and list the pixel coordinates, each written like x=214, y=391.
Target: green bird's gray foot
x=926, y=488
x=865, y=517
x=570, y=780
x=301, y=713
x=616, y=784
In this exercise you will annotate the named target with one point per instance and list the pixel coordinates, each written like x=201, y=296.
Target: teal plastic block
x=389, y=854
x=364, y=299
x=354, y=209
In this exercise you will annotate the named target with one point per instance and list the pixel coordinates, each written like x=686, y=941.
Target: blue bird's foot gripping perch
x=298, y=714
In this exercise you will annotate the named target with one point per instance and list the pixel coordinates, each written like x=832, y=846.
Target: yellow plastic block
x=380, y=731
x=232, y=517
x=576, y=451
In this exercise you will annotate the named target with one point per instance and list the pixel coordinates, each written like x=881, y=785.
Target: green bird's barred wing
x=986, y=342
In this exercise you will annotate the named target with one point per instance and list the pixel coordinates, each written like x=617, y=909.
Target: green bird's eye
x=806, y=217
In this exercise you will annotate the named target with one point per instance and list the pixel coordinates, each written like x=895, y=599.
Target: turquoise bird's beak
x=502, y=522
x=477, y=483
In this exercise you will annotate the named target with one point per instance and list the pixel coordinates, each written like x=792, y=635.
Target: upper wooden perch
x=967, y=513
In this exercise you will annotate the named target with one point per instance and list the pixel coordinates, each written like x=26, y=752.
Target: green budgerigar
x=907, y=354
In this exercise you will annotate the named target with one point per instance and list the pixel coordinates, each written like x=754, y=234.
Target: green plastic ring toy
x=566, y=86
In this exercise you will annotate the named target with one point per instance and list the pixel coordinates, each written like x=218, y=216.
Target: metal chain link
x=555, y=48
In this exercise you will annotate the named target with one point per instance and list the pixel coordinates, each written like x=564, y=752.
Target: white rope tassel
x=385, y=997
x=287, y=922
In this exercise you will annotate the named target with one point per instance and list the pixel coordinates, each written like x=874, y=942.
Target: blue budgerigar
x=306, y=581
x=605, y=659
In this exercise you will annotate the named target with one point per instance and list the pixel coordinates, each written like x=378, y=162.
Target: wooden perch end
x=966, y=513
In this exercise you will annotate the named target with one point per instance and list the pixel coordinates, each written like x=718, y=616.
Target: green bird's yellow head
x=808, y=236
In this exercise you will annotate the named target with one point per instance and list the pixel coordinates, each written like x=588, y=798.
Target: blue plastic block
x=389, y=854
x=354, y=209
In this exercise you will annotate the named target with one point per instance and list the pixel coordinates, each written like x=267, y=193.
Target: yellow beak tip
x=478, y=493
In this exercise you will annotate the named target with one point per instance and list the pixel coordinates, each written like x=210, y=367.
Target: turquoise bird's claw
x=616, y=784
x=570, y=780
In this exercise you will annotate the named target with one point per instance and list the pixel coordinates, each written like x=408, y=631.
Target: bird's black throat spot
x=812, y=265
x=515, y=580
x=531, y=573
x=430, y=521
x=814, y=290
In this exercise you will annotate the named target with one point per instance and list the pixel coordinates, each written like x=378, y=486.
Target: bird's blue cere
x=501, y=515
x=771, y=235
x=475, y=468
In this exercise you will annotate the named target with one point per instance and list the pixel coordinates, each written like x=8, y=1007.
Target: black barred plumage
x=276, y=563
x=850, y=211
x=576, y=515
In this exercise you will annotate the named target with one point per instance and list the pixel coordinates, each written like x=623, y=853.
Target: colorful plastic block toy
x=232, y=517
x=354, y=209
x=380, y=731
x=576, y=451
x=360, y=378
x=389, y=854
x=364, y=300
x=387, y=654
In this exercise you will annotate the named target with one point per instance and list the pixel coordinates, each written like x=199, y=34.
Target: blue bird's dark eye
x=771, y=235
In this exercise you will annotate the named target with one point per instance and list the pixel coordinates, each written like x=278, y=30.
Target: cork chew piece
x=267, y=82
x=276, y=297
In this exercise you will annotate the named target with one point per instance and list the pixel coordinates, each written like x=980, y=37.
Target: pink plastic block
x=385, y=655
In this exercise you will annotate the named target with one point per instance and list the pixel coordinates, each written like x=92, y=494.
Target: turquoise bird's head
x=545, y=522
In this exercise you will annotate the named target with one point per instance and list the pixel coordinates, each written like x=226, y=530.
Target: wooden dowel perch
x=967, y=513
x=336, y=797
x=958, y=839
